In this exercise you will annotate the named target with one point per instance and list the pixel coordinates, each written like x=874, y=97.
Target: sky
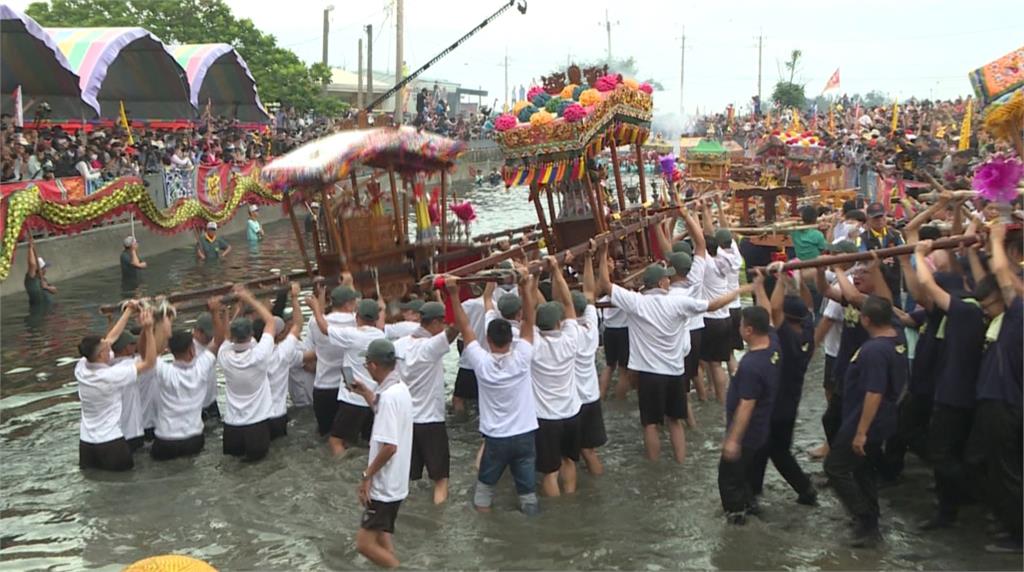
x=903, y=48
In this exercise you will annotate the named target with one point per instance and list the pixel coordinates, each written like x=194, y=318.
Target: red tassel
x=449, y=311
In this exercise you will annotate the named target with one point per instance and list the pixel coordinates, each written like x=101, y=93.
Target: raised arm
x=760, y=294
x=706, y=219
x=527, y=285
x=1009, y=285
x=604, y=284
x=33, y=260
x=664, y=244
x=724, y=300
x=559, y=287
x=149, y=349
x=262, y=311
x=778, y=297
x=220, y=324
x=488, y=297
x=589, y=285
x=848, y=290
x=700, y=246
x=296, y=325
x=136, y=261
x=115, y=331
x=461, y=319
x=316, y=306
x=723, y=220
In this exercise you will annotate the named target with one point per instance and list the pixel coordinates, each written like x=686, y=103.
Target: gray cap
x=654, y=273
x=431, y=311
x=509, y=305
x=380, y=350
x=724, y=237
x=681, y=262
x=579, y=302
x=342, y=295
x=844, y=247
x=123, y=341
x=241, y=329
x=548, y=315
x=204, y=323
x=211, y=225
x=128, y=241
x=415, y=304
x=368, y=309
x=682, y=246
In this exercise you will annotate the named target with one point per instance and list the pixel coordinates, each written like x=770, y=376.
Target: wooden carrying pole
x=535, y=197
x=332, y=227
x=222, y=289
x=444, y=214
x=828, y=260
x=618, y=176
x=298, y=233
x=396, y=209
x=551, y=209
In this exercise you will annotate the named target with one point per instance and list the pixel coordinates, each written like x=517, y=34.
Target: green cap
x=548, y=315
x=509, y=305
x=368, y=310
x=342, y=295
x=844, y=247
x=415, y=304
x=682, y=246
x=654, y=273
x=380, y=351
x=505, y=265
x=723, y=237
x=681, y=262
x=431, y=311
x=545, y=289
x=204, y=323
x=579, y=302
x=123, y=341
x=241, y=329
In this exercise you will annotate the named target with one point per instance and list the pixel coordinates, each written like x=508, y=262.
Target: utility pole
x=327, y=31
x=760, y=41
x=506, y=81
x=369, y=64
x=608, y=30
x=399, y=100
x=682, y=72
x=359, y=89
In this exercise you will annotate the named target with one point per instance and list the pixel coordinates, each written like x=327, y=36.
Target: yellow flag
x=126, y=125
x=796, y=121
x=965, y=128
x=895, y=116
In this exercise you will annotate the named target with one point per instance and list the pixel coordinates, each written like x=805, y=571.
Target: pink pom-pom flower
x=574, y=113
x=504, y=122
x=534, y=91
x=997, y=178
x=646, y=88
x=464, y=211
x=606, y=82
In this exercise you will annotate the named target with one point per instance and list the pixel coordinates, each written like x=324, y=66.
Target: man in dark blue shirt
x=748, y=408
x=871, y=388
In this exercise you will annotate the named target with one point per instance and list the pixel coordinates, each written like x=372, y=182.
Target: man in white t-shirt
x=555, y=345
x=466, y=387
x=287, y=356
x=410, y=320
x=202, y=336
x=422, y=369
x=124, y=348
x=729, y=252
x=508, y=415
x=354, y=418
x=302, y=375
x=385, y=482
x=245, y=363
x=330, y=357
x=182, y=390
x=100, y=386
x=659, y=341
x=592, y=431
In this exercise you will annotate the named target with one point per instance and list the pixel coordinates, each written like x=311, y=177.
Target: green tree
x=789, y=94
x=280, y=75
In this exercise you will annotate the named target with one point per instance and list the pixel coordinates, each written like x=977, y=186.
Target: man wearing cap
x=203, y=333
x=355, y=416
x=509, y=307
x=130, y=263
x=422, y=370
x=410, y=320
x=729, y=256
x=465, y=380
x=182, y=387
x=287, y=354
x=253, y=228
x=211, y=246
x=39, y=290
x=385, y=482
x=658, y=343
x=330, y=358
x=245, y=363
x=100, y=386
x=592, y=431
x=508, y=415
x=131, y=403
x=716, y=341
x=879, y=235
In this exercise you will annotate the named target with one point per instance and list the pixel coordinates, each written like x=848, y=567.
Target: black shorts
x=380, y=516
x=211, y=411
x=465, y=384
x=114, y=455
x=325, y=408
x=149, y=434
x=616, y=347
x=691, y=362
x=660, y=396
x=430, y=450
x=557, y=439
x=135, y=443
x=278, y=426
x=716, y=345
x=352, y=422
x=592, y=433
x=737, y=339
x=250, y=441
x=166, y=449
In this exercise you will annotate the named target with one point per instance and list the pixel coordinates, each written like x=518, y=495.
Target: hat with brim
x=549, y=314
x=844, y=247
x=431, y=311
x=794, y=307
x=875, y=210
x=368, y=310
x=343, y=295
x=723, y=237
x=123, y=341
x=654, y=273
x=380, y=350
x=211, y=226
x=683, y=246
x=680, y=262
x=413, y=305
x=241, y=329
x=579, y=302
x=509, y=305
x=204, y=323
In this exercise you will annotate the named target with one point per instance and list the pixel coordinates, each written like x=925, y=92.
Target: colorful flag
x=560, y=172
x=19, y=113
x=126, y=125
x=965, y=128
x=831, y=120
x=833, y=82
x=545, y=174
x=895, y=116
x=795, y=125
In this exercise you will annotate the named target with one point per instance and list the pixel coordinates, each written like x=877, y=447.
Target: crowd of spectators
x=434, y=114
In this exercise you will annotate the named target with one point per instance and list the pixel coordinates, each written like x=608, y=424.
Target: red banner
x=214, y=184
x=53, y=190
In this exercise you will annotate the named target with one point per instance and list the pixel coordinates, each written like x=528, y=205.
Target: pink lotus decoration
x=606, y=82
x=646, y=88
x=504, y=122
x=574, y=113
x=464, y=211
x=534, y=91
x=997, y=178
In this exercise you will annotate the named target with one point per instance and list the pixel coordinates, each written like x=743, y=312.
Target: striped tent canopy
x=32, y=60
x=218, y=77
x=129, y=65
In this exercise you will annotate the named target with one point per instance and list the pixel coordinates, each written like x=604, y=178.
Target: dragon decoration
x=27, y=209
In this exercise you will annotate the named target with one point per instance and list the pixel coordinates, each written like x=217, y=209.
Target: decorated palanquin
x=550, y=141
x=709, y=159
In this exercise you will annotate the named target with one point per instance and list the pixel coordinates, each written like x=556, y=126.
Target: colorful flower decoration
x=519, y=106
x=504, y=122
x=540, y=100
x=631, y=83
x=525, y=113
x=574, y=112
x=646, y=88
x=997, y=178
x=590, y=97
x=577, y=91
x=607, y=82
x=464, y=211
x=552, y=105
x=533, y=92
x=567, y=91
x=563, y=104
x=541, y=118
